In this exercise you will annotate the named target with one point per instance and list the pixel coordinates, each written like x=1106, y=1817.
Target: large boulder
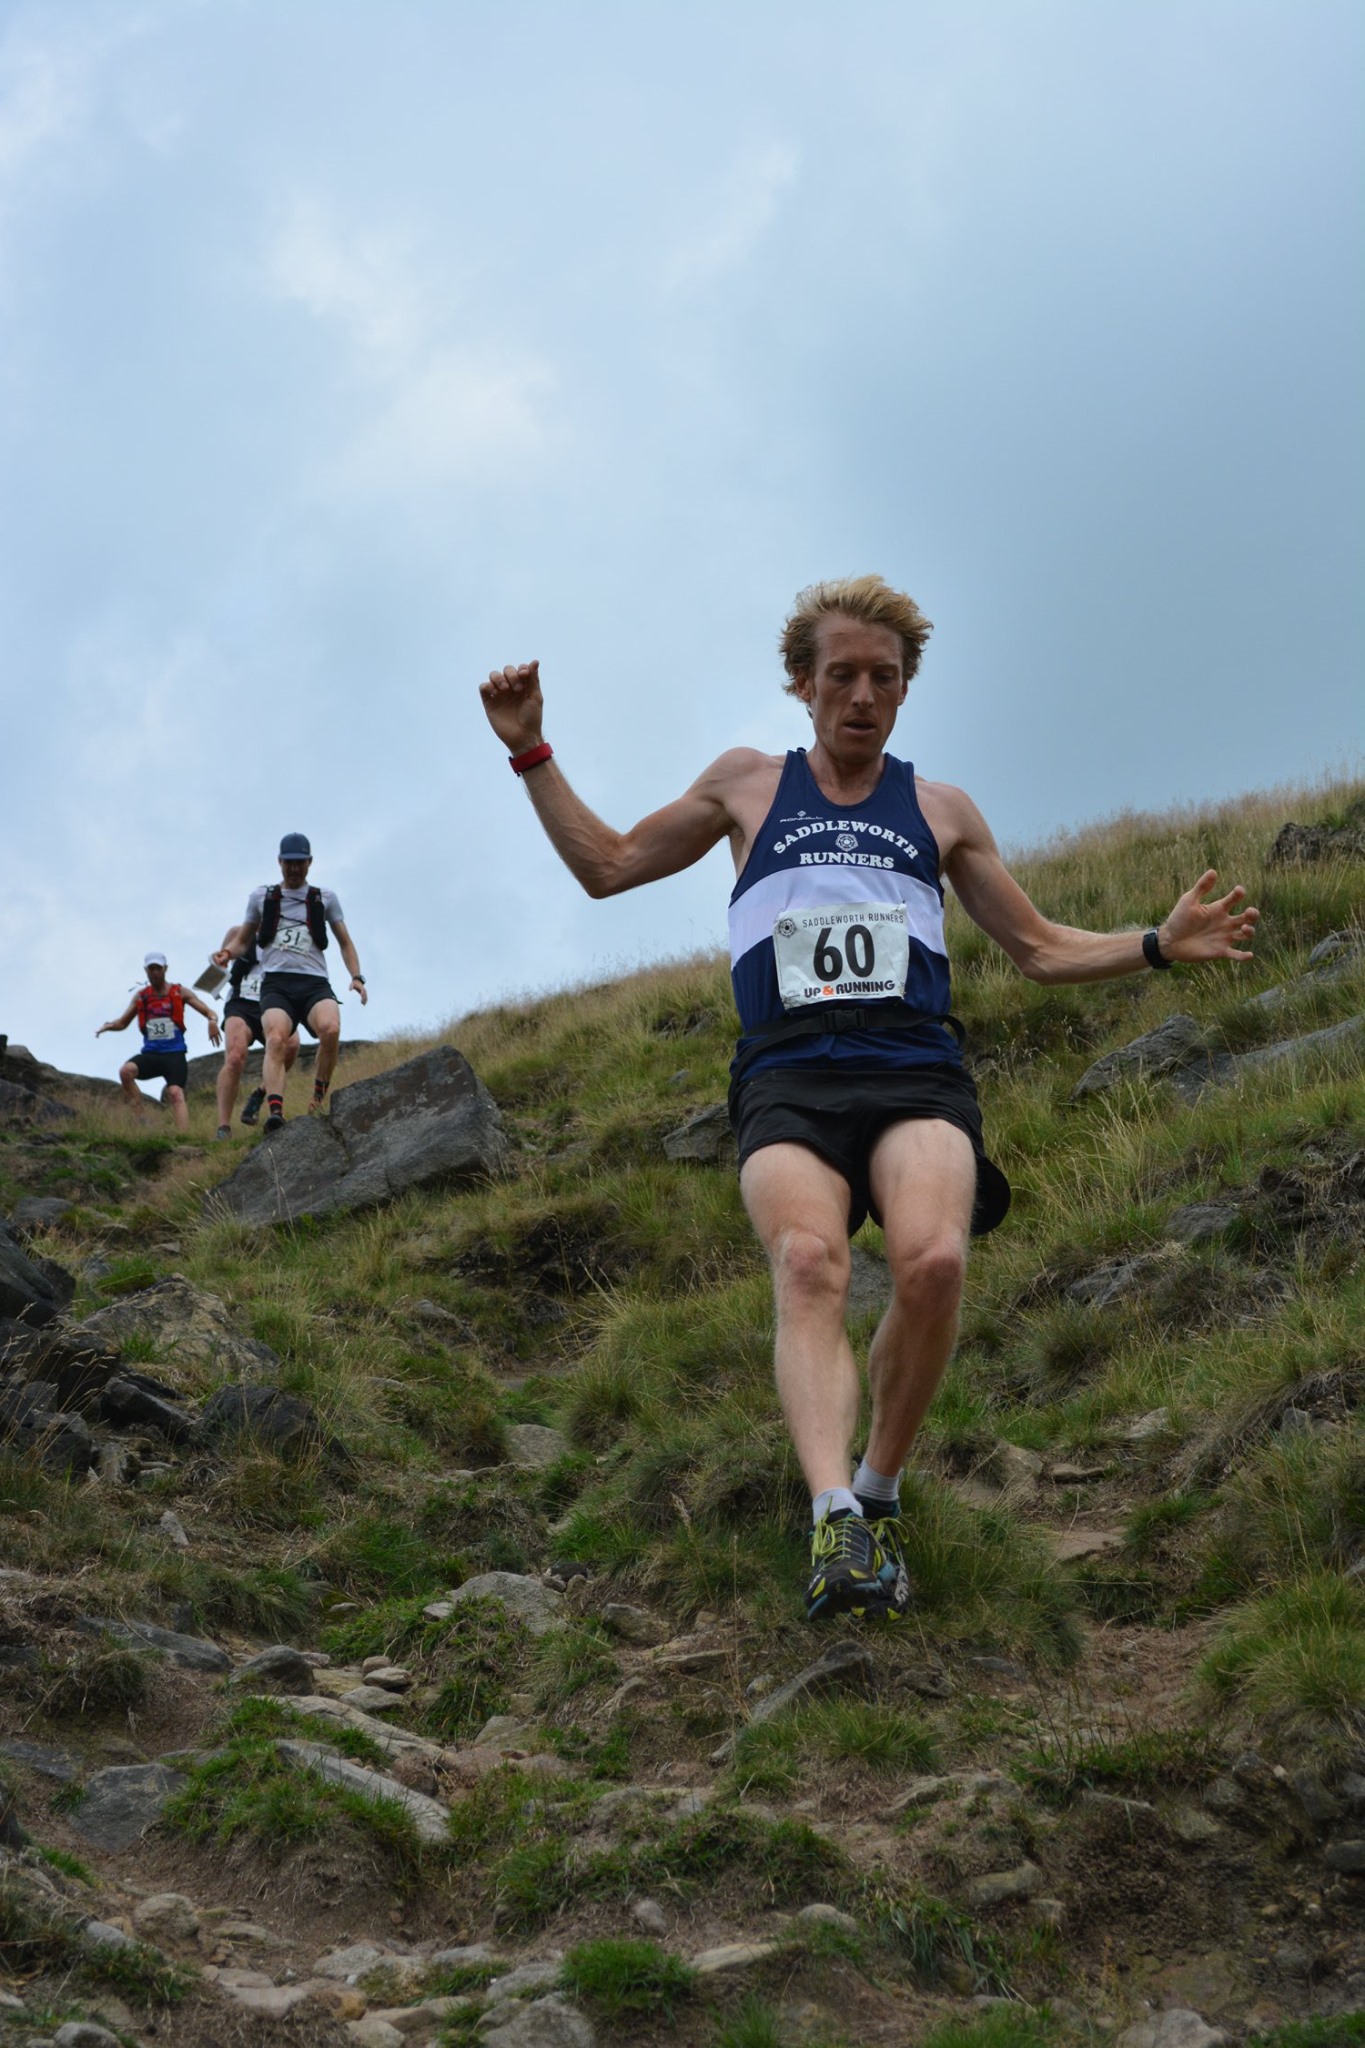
x=193, y=1334
x=32, y=1290
x=427, y=1123
x=35, y=1078
x=1175, y=1045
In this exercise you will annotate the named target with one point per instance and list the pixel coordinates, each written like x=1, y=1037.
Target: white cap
x=154, y=960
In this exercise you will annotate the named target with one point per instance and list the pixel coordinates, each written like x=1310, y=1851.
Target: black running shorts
x=841, y=1115
x=171, y=1067
x=250, y=1014
x=297, y=994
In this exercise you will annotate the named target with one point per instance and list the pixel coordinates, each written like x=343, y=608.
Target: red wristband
x=532, y=758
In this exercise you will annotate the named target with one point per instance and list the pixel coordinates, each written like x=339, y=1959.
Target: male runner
x=287, y=921
x=241, y=1026
x=160, y=1012
x=848, y=1095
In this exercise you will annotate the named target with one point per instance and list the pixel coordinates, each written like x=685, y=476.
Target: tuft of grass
x=245, y=1789
x=937, y=1940
x=1145, y=1760
x=776, y=1755
x=482, y=1650
x=1295, y=1658
x=66, y=1863
x=97, y=1681
x=1295, y=1505
x=567, y=1661
x=1002, y=2026
x=138, y=1971
x=128, y=1275
x=755, y=2025
x=627, y=1979
x=1340, y=2030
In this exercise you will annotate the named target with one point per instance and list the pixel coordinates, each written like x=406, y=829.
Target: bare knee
x=127, y=1073
x=233, y=1063
x=810, y=1265
x=277, y=1041
x=929, y=1278
x=329, y=1037
x=175, y=1096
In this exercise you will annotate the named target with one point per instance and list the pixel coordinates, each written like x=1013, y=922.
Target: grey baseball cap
x=294, y=846
x=154, y=959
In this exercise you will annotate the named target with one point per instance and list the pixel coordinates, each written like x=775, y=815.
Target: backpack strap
x=317, y=919
x=270, y=915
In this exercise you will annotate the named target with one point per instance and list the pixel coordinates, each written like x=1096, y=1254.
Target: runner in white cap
x=160, y=1012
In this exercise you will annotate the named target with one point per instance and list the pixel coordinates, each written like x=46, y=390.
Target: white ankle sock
x=830, y=1503
x=871, y=1485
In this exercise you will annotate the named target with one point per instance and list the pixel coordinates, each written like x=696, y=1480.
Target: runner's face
x=856, y=690
x=295, y=872
x=156, y=976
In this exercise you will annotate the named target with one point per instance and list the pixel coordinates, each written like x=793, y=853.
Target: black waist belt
x=819, y=1018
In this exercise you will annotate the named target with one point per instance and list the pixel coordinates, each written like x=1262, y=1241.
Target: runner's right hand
x=512, y=699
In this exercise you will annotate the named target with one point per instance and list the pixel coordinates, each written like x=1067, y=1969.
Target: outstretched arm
x=1196, y=929
x=119, y=1023
x=352, y=959
x=605, y=861
x=215, y=1035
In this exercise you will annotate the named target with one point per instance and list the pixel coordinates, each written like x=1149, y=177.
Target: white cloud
x=442, y=404
x=745, y=209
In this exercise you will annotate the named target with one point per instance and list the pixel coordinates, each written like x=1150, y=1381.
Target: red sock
x=275, y=1104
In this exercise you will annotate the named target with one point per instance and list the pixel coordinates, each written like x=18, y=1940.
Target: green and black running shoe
x=853, y=1572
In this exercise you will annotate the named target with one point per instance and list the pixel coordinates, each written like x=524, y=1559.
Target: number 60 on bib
x=841, y=952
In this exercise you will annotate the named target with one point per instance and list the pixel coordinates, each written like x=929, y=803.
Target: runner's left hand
x=358, y=985
x=1196, y=930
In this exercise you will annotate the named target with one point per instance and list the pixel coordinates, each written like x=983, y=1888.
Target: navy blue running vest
x=811, y=853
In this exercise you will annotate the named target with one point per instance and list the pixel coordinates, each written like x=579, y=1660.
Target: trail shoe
x=274, y=1122
x=853, y=1573
x=251, y=1108
x=223, y=1131
x=887, y=1528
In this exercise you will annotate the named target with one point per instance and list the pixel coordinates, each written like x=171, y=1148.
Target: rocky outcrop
x=48, y=1090
x=192, y=1333
x=1299, y=845
x=33, y=1290
x=427, y=1123
x=1183, y=1053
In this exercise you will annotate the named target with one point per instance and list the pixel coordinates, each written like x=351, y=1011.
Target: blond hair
x=868, y=598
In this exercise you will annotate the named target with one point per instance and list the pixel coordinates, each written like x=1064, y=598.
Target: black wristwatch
x=1151, y=950
x=361, y=979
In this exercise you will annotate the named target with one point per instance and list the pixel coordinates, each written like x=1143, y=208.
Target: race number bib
x=841, y=953
x=159, y=1029
x=250, y=991
x=294, y=938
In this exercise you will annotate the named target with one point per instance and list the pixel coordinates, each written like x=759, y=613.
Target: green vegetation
x=245, y=1787
x=781, y=1753
x=622, y=1299
x=627, y=1979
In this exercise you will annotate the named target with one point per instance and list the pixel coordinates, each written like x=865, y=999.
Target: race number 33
x=841, y=951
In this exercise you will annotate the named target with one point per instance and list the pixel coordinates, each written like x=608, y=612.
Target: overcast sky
x=347, y=350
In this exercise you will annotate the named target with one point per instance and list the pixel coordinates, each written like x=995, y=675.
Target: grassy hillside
x=1204, y=1428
